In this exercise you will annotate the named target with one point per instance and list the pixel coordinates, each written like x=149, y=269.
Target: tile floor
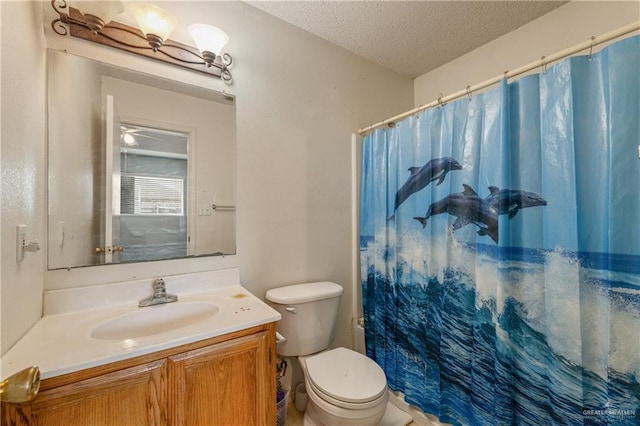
x=294, y=417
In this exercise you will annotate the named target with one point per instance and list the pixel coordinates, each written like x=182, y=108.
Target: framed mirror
x=141, y=168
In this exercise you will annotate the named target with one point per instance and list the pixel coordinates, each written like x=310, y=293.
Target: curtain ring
x=593, y=39
x=391, y=124
x=442, y=104
x=543, y=65
x=469, y=92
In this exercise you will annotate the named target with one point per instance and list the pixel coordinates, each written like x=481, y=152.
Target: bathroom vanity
x=227, y=380
x=219, y=369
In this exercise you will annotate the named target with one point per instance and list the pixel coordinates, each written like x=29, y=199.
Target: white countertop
x=62, y=343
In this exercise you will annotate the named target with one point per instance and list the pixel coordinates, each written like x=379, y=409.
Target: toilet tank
x=309, y=312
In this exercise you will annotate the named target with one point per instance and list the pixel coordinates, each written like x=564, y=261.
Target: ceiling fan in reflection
x=128, y=136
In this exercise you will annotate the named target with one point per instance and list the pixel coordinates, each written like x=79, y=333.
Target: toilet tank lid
x=303, y=293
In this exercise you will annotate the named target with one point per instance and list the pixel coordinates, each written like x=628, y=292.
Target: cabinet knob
x=21, y=387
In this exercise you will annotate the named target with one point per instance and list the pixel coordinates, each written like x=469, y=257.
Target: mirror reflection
x=140, y=168
x=153, y=193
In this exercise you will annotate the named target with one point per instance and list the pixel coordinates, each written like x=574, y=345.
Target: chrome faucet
x=159, y=295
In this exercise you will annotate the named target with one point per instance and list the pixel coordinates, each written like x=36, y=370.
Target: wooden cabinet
x=132, y=396
x=230, y=374
x=227, y=380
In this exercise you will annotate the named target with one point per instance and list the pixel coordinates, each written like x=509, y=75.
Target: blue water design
x=536, y=356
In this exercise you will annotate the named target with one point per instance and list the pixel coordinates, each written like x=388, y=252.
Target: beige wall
x=23, y=165
x=562, y=28
x=299, y=98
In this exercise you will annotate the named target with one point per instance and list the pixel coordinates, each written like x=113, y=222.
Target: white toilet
x=344, y=387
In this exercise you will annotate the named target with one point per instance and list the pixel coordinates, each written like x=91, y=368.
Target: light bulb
x=209, y=39
x=155, y=22
x=99, y=13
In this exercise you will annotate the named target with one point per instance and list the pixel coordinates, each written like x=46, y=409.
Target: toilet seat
x=346, y=378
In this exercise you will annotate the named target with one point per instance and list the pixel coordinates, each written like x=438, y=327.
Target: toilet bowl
x=344, y=388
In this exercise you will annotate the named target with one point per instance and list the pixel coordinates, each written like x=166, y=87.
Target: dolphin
x=512, y=200
x=468, y=208
x=435, y=169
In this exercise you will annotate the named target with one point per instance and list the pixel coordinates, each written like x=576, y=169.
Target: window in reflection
x=153, y=193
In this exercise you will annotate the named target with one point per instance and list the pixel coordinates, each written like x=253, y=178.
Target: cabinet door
x=133, y=396
x=225, y=384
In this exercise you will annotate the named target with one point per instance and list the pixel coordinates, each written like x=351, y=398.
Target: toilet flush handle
x=280, y=339
x=291, y=309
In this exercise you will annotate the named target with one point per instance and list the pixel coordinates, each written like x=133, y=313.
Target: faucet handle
x=159, y=289
x=159, y=294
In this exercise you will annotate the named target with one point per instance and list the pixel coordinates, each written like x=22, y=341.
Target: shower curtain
x=500, y=249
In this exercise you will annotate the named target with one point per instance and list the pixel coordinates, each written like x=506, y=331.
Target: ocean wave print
x=489, y=340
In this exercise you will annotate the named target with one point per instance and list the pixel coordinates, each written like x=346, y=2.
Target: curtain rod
x=542, y=62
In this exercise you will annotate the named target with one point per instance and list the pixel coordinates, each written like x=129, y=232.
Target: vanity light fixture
x=94, y=23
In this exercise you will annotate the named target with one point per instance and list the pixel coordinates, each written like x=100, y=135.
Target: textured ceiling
x=408, y=37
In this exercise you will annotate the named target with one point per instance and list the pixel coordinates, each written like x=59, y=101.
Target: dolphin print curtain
x=500, y=249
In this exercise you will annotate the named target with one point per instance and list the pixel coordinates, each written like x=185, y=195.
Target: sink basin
x=154, y=320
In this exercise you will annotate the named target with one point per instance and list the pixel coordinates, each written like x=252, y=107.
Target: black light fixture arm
x=124, y=37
